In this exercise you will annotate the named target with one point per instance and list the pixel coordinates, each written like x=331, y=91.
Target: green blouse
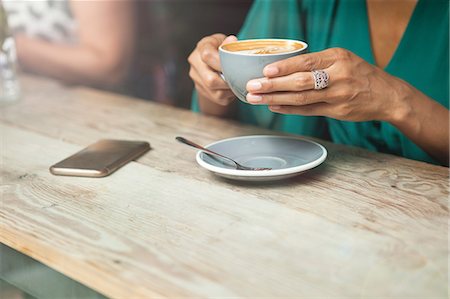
x=422, y=59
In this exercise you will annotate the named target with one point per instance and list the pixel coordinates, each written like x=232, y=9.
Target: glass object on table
x=9, y=84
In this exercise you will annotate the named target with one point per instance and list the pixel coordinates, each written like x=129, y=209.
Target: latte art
x=270, y=50
x=263, y=47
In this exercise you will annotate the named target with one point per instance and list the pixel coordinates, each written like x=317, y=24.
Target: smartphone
x=101, y=158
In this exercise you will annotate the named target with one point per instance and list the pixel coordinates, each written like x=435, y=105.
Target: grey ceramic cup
x=238, y=68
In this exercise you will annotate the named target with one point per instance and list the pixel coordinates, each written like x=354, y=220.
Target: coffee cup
x=245, y=60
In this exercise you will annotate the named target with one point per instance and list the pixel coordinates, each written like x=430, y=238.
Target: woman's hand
x=357, y=91
x=215, y=96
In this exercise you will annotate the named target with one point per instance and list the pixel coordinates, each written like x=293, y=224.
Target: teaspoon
x=238, y=166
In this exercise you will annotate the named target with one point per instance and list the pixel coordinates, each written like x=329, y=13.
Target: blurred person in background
x=78, y=42
x=387, y=63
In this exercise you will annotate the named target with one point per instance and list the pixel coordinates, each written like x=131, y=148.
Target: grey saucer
x=287, y=156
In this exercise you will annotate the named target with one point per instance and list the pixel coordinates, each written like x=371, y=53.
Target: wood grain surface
x=362, y=225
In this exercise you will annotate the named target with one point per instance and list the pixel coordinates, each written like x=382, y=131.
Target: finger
x=222, y=97
x=208, y=49
x=208, y=76
x=289, y=98
x=199, y=85
x=316, y=109
x=229, y=39
x=216, y=39
x=209, y=79
x=300, y=63
x=294, y=82
x=206, y=93
x=213, y=80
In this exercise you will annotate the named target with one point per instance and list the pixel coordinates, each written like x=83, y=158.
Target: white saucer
x=287, y=156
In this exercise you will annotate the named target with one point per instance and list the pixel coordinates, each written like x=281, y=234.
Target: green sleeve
x=194, y=103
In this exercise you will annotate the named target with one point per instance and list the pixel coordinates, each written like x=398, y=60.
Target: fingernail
x=253, y=98
x=270, y=71
x=254, y=85
x=232, y=37
x=276, y=107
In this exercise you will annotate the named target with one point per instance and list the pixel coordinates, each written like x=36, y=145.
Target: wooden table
x=361, y=225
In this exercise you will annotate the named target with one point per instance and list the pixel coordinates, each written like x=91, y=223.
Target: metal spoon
x=238, y=166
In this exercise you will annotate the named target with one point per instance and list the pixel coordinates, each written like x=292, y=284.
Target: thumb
x=229, y=39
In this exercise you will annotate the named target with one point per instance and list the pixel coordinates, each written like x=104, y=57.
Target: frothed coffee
x=263, y=46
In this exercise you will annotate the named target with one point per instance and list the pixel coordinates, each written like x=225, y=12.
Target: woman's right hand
x=214, y=94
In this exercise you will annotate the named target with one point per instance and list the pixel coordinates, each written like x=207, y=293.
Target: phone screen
x=101, y=158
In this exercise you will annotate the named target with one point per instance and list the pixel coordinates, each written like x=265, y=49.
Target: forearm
x=425, y=122
x=75, y=64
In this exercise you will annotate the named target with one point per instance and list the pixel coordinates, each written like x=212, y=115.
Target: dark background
x=168, y=31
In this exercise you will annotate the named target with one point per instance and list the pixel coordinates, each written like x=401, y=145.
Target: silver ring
x=320, y=79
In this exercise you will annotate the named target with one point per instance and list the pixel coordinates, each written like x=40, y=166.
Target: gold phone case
x=101, y=158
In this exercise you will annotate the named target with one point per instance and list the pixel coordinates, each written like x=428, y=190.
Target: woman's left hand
x=357, y=90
